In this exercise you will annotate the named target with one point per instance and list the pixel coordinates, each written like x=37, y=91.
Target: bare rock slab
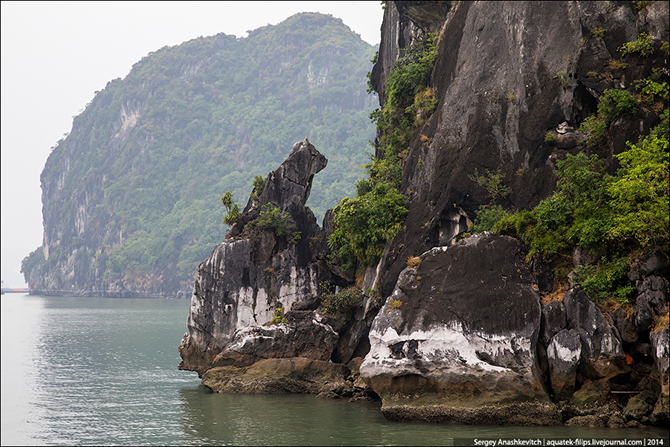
x=457, y=337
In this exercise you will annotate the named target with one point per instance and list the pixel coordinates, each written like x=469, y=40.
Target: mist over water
x=104, y=371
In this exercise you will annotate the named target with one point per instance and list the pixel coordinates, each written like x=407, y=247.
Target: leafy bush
x=410, y=102
x=492, y=182
x=279, y=317
x=643, y=45
x=607, y=280
x=596, y=130
x=259, y=185
x=650, y=90
x=576, y=214
x=592, y=210
x=640, y=194
x=364, y=224
x=487, y=217
x=550, y=138
x=332, y=303
x=615, y=103
x=233, y=209
x=281, y=224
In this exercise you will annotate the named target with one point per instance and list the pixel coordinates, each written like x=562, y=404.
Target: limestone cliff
x=131, y=195
x=255, y=298
x=452, y=327
x=505, y=75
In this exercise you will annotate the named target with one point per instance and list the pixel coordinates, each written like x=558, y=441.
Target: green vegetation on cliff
x=130, y=195
x=364, y=224
x=614, y=217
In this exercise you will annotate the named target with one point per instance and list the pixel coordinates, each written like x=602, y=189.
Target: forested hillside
x=131, y=196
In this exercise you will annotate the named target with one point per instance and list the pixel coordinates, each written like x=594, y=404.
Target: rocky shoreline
x=448, y=327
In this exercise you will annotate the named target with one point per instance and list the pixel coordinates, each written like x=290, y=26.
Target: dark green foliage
x=615, y=103
x=272, y=219
x=643, y=45
x=651, y=90
x=606, y=280
x=233, y=209
x=640, y=193
x=364, y=224
x=332, y=303
x=616, y=216
x=409, y=102
x=259, y=185
x=492, y=183
x=30, y=261
x=596, y=129
x=487, y=216
x=152, y=153
x=575, y=215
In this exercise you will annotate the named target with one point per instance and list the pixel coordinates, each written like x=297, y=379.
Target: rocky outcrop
x=461, y=336
x=652, y=300
x=130, y=194
x=602, y=351
x=506, y=73
x=252, y=275
x=253, y=325
x=455, y=340
x=553, y=321
x=563, y=354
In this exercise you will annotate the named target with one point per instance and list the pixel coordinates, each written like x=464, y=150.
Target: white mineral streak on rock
x=557, y=351
x=447, y=347
x=246, y=339
x=245, y=307
x=327, y=327
x=291, y=293
x=264, y=311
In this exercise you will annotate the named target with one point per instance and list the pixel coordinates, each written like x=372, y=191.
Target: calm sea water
x=90, y=371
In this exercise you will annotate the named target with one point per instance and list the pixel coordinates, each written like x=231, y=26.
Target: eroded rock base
x=520, y=414
x=288, y=375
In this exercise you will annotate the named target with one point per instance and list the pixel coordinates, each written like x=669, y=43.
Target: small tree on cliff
x=233, y=209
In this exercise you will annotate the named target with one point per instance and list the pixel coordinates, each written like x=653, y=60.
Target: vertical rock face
x=506, y=73
x=563, y=354
x=257, y=271
x=459, y=332
x=602, y=350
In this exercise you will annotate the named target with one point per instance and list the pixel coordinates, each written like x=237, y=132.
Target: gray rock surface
x=652, y=301
x=625, y=324
x=563, y=354
x=660, y=342
x=602, y=351
x=252, y=274
x=553, y=321
x=654, y=260
x=457, y=335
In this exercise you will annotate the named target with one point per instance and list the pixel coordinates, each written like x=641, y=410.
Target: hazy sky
x=55, y=55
